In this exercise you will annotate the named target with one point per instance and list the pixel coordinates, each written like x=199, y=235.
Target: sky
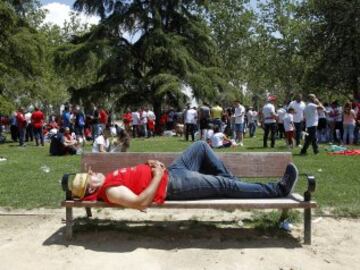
x=58, y=11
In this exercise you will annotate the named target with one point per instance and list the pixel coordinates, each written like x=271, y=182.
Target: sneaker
x=288, y=181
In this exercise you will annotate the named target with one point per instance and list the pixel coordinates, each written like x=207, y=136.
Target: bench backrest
x=243, y=164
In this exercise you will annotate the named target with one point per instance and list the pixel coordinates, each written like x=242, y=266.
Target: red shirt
x=127, y=118
x=37, y=119
x=103, y=117
x=20, y=119
x=135, y=178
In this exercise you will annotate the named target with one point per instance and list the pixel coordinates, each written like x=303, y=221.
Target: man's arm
x=123, y=196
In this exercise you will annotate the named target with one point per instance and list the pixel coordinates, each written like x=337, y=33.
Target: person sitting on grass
x=196, y=174
x=102, y=142
x=59, y=146
x=219, y=139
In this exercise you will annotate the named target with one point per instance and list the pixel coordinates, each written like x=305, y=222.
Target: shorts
x=239, y=127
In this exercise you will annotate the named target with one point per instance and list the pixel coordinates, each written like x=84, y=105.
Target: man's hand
x=158, y=170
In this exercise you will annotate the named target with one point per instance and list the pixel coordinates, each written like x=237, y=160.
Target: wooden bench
x=244, y=165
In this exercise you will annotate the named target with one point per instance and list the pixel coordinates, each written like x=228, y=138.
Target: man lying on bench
x=197, y=174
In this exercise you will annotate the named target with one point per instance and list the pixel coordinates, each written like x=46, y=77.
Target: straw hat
x=78, y=185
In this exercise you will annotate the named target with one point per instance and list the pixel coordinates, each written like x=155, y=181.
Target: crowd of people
x=68, y=131
x=296, y=121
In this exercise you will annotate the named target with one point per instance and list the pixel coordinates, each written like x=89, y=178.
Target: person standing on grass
x=151, y=119
x=280, y=121
x=311, y=119
x=322, y=127
x=65, y=117
x=299, y=106
x=13, y=127
x=289, y=127
x=37, y=120
x=29, y=132
x=79, y=124
x=127, y=120
x=269, y=121
x=190, y=120
x=239, y=114
x=357, y=126
x=349, y=123
x=337, y=114
x=204, y=120
x=251, y=116
x=135, y=116
x=216, y=113
x=21, y=125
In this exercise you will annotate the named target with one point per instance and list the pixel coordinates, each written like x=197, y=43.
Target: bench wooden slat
x=240, y=164
x=295, y=201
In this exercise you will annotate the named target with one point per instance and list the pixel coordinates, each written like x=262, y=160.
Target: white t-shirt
x=268, y=112
x=144, y=116
x=281, y=114
x=329, y=114
x=322, y=113
x=299, y=108
x=288, y=122
x=100, y=140
x=217, y=139
x=28, y=117
x=135, y=118
x=339, y=114
x=250, y=116
x=239, y=114
x=151, y=115
x=190, y=116
x=311, y=115
x=209, y=134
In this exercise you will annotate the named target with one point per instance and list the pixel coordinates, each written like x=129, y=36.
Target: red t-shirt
x=103, y=117
x=135, y=178
x=37, y=119
x=20, y=119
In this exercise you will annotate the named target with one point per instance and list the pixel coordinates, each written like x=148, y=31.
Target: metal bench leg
x=88, y=212
x=307, y=226
x=69, y=223
x=284, y=215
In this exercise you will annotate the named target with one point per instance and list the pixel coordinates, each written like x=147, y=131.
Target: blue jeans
x=252, y=129
x=199, y=174
x=38, y=133
x=348, y=133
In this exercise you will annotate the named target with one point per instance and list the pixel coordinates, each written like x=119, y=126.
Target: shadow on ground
x=126, y=236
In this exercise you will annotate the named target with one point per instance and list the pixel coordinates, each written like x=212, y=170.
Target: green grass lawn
x=24, y=184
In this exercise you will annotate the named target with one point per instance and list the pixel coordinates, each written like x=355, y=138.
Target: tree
x=26, y=71
x=333, y=45
x=169, y=46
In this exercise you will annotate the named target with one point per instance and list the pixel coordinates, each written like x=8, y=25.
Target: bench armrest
x=311, y=187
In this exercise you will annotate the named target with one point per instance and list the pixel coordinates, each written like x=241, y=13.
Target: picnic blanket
x=353, y=152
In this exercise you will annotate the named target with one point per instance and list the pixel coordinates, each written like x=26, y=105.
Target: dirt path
x=34, y=240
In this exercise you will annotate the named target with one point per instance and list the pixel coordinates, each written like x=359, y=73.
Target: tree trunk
x=157, y=110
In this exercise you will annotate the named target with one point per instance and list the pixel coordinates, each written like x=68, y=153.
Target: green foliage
x=333, y=41
x=171, y=47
